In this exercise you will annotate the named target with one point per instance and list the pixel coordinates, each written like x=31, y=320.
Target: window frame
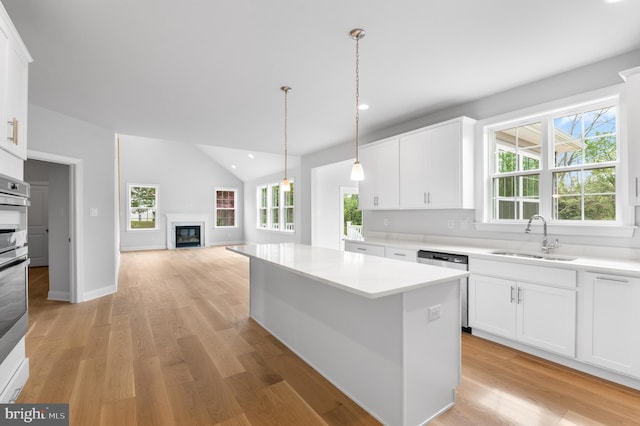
x=216, y=208
x=269, y=208
x=623, y=226
x=128, y=207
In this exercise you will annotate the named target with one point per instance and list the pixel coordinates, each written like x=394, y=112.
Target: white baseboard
x=142, y=248
x=104, y=291
x=62, y=296
x=225, y=243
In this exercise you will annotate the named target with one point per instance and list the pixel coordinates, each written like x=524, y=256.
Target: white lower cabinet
x=610, y=317
x=401, y=254
x=537, y=314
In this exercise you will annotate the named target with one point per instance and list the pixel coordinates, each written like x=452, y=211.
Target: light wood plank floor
x=175, y=346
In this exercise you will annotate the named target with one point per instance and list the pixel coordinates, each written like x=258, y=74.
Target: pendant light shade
x=285, y=185
x=357, y=172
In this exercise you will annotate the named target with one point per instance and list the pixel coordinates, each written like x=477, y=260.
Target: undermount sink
x=534, y=256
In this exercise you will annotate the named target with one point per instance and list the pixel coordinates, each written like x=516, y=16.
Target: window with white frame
x=275, y=208
x=562, y=165
x=225, y=208
x=142, y=202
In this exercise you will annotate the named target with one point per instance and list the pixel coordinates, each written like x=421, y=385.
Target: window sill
x=142, y=229
x=613, y=231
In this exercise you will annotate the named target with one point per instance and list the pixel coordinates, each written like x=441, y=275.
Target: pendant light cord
x=357, y=93
x=286, y=91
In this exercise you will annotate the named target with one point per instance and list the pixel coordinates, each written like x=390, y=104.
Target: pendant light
x=357, y=173
x=285, y=185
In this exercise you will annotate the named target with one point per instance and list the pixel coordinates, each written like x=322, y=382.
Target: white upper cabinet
x=436, y=166
x=379, y=189
x=632, y=101
x=14, y=77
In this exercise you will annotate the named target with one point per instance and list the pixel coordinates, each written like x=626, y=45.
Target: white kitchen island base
x=383, y=352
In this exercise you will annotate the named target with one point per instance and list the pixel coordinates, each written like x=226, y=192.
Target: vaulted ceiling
x=209, y=71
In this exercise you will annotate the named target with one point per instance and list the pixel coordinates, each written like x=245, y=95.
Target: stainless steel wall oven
x=14, y=260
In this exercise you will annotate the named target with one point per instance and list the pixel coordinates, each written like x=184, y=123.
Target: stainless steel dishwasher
x=453, y=261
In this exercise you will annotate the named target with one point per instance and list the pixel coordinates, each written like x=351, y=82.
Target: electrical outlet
x=385, y=221
x=450, y=223
x=434, y=312
x=93, y=211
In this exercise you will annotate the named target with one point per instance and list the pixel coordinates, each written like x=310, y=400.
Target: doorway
x=64, y=177
x=38, y=221
x=350, y=215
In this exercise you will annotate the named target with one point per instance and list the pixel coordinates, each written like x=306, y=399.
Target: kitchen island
x=385, y=332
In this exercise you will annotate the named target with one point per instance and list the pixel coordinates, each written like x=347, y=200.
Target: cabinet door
x=379, y=189
x=17, y=99
x=492, y=306
x=547, y=317
x=364, y=248
x=443, y=167
x=414, y=184
x=4, y=48
x=610, y=319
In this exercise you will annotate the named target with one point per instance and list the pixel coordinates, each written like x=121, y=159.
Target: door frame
x=76, y=256
x=343, y=191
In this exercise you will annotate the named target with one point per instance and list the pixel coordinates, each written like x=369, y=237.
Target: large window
x=276, y=208
x=142, y=207
x=561, y=165
x=225, y=208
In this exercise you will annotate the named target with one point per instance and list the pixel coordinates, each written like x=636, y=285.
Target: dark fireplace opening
x=187, y=236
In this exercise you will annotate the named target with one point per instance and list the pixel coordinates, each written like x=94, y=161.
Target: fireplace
x=188, y=236
x=182, y=232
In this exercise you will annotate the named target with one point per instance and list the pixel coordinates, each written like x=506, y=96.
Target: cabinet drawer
x=364, y=248
x=401, y=254
x=524, y=272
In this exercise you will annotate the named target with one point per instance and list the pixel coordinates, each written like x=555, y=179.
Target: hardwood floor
x=175, y=346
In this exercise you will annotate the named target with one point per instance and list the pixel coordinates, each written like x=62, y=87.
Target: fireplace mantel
x=187, y=219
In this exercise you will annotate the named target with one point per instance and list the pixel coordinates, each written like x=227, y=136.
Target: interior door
x=38, y=225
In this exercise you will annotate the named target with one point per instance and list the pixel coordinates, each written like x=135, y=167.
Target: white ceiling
x=209, y=71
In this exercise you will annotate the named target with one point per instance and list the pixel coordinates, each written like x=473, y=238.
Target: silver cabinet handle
x=361, y=249
x=519, y=294
x=14, y=137
x=615, y=280
x=636, y=187
x=399, y=254
x=428, y=198
x=511, y=294
x=425, y=198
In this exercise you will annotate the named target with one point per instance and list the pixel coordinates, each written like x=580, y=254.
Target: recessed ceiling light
x=362, y=107
x=250, y=155
x=233, y=167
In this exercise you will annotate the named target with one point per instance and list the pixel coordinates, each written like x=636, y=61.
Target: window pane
x=263, y=197
x=504, y=187
x=263, y=218
x=600, y=122
x=568, y=154
x=600, y=149
x=506, y=210
x=288, y=196
x=568, y=207
x=142, y=207
x=519, y=148
x=600, y=207
x=275, y=218
x=275, y=195
x=530, y=186
x=529, y=209
x=600, y=181
x=565, y=183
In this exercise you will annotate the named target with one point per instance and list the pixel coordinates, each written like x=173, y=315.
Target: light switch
x=93, y=211
x=434, y=312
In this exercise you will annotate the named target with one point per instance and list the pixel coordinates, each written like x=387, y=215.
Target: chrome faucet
x=546, y=247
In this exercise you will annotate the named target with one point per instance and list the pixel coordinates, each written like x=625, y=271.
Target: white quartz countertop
x=586, y=261
x=365, y=275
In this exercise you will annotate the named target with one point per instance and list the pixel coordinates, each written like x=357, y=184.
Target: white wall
x=187, y=180
x=55, y=133
x=254, y=235
x=591, y=77
x=326, y=182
